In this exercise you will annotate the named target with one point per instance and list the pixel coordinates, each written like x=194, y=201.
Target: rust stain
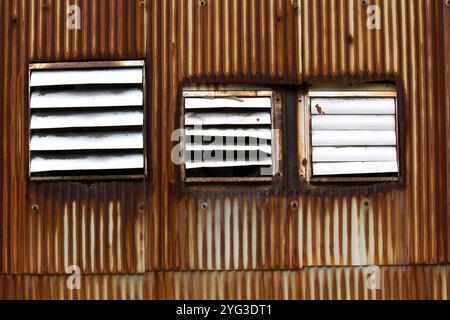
x=319, y=109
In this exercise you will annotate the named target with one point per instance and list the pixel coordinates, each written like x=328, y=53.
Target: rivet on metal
x=294, y=205
x=304, y=162
x=295, y=4
x=350, y=39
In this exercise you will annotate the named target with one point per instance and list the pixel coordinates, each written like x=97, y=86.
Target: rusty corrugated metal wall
x=173, y=243
x=96, y=226
x=339, y=283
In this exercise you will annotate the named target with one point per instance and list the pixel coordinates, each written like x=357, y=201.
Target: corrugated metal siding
x=250, y=42
x=261, y=231
x=226, y=41
x=347, y=283
x=97, y=226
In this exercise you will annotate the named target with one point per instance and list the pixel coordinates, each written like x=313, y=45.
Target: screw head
x=35, y=207
x=350, y=39
x=141, y=206
x=204, y=206
x=447, y=2
x=364, y=2
x=294, y=205
x=202, y=3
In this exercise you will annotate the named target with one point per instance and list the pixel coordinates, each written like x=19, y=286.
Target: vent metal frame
x=89, y=65
x=305, y=130
x=276, y=156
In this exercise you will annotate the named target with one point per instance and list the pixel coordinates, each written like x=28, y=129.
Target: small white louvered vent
x=354, y=133
x=228, y=136
x=86, y=120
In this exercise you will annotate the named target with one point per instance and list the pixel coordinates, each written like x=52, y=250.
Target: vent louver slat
x=216, y=118
x=353, y=122
x=333, y=154
x=353, y=135
x=355, y=106
x=342, y=168
x=114, y=161
x=53, y=119
x=85, y=98
x=230, y=102
x=86, y=122
x=44, y=78
x=264, y=148
x=86, y=141
x=353, y=138
x=221, y=164
x=217, y=132
x=228, y=137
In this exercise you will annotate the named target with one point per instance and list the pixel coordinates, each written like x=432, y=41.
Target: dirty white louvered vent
x=228, y=136
x=86, y=120
x=354, y=134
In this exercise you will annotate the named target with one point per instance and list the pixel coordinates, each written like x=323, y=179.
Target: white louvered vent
x=354, y=133
x=228, y=137
x=86, y=120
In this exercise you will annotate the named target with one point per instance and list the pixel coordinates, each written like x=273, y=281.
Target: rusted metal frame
x=375, y=81
x=343, y=94
x=355, y=179
x=145, y=112
x=301, y=131
x=183, y=143
x=84, y=178
x=28, y=120
x=353, y=85
x=86, y=64
x=276, y=139
x=290, y=135
x=148, y=172
x=228, y=180
x=308, y=137
x=307, y=123
x=89, y=65
x=227, y=93
x=401, y=132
